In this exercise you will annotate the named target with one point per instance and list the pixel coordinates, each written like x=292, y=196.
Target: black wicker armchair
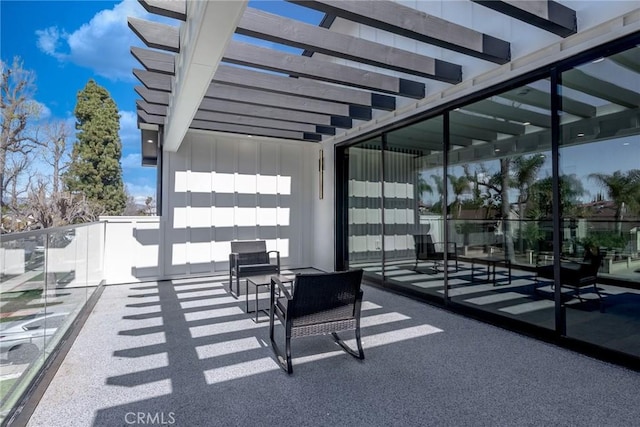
x=321, y=304
x=574, y=274
x=428, y=250
x=250, y=258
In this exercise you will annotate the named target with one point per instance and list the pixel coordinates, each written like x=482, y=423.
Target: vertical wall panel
x=232, y=188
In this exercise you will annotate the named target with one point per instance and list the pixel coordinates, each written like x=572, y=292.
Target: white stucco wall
x=132, y=249
x=219, y=188
x=324, y=213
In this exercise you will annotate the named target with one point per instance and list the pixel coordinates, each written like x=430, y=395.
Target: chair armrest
x=275, y=281
x=277, y=257
x=233, y=259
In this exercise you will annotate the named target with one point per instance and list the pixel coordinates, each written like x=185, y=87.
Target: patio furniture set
x=327, y=303
x=574, y=274
x=306, y=304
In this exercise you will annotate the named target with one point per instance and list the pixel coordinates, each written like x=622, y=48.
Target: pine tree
x=95, y=170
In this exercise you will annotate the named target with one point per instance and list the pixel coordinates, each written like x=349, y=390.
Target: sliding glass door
x=364, y=207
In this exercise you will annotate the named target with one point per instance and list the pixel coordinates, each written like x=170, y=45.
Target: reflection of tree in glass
x=440, y=189
x=623, y=189
x=525, y=172
x=570, y=191
x=496, y=186
x=459, y=185
x=423, y=187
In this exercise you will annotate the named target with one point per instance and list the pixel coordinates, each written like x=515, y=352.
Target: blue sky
x=66, y=43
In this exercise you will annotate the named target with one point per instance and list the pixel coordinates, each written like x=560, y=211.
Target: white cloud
x=129, y=132
x=131, y=161
x=45, y=112
x=101, y=45
x=49, y=41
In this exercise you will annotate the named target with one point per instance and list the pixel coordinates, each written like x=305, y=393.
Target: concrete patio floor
x=185, y=353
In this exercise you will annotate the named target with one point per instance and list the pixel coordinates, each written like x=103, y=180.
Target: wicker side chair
x=319, y=304
x=428, y=250
x=250, y=258
x=575, y=275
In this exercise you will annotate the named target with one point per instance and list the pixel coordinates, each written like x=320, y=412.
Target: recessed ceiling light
x=598, y=60
x=625, y=143
x=249, y=136
x=149, y=141
x=496, y=150
x=526, y=123
x=580, y=135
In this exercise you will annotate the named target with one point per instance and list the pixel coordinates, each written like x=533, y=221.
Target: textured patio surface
x=185, y=353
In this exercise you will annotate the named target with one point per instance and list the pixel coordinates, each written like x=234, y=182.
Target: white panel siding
x=237, y=188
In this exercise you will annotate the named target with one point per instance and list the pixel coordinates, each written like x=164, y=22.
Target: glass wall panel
x=600, y=193
x=364, y=204
x=498, y=179
x=414, y=224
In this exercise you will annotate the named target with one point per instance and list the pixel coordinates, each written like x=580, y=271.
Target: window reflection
x=364, y=204
x=600, y=156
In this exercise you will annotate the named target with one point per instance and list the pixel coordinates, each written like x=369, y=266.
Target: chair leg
x=287, y=349
x=359, y=354
x=284, y=361
x=595, y=287
x=236, y=294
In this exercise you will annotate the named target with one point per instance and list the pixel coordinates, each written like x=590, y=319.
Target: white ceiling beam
x=203, y=40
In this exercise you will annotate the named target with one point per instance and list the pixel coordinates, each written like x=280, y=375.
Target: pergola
x=196, y=76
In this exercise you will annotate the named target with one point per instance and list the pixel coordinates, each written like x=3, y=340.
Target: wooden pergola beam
x=152, y=60
x=546, y=14
x=316, y=69
x=274, y=112
x=258, y=97
x=176, y=9
x=486, y=123
x=278, y=29
x=507, y=112
x=302, y=87
x=164, y=62
x=155, y=102
x=152, y=96
x=161, y=36
x=263, y=122
x=156, y=35
x=541, y=99
x=255, y=131
x=154, y=81
x=408, y=22
x=583, y=82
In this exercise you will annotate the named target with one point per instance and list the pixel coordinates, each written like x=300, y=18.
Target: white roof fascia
x=204, y=38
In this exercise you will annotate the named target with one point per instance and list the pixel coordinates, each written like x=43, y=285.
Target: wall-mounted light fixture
x=321, y=174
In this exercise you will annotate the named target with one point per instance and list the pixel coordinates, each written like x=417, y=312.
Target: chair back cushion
x=253, y=258
x=594, y=262
x=424, y=245
x=333, y=294
x=245, y=246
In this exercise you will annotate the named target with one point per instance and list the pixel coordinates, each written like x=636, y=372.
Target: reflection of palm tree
x=525, y=174
x=459, y=185
x=623, y=189
x=440, y=189
x=570, y=190
x=423, y=187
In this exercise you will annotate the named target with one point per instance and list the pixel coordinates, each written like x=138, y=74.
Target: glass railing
x=46, y=278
